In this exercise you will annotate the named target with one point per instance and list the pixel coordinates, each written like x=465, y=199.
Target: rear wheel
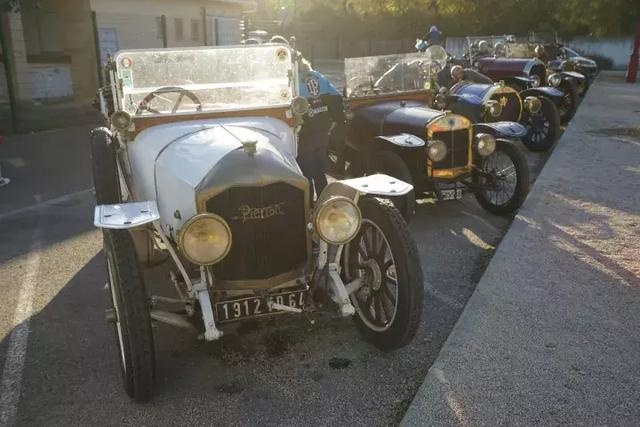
x=105, y=171
x=389, y=163
x=543, y=128
x=384, y=255
x=130, y=315
x=569, y=103
x=504, y=181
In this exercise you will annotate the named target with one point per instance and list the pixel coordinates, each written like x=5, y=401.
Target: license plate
x=228, y=311
x=453, y=194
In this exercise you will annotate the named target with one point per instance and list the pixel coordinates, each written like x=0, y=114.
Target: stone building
x=54, y=47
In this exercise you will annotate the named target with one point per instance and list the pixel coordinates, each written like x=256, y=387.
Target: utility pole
x=632, y=70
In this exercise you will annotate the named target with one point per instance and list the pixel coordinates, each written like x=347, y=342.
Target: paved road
x=281, y=372
x=550, y=337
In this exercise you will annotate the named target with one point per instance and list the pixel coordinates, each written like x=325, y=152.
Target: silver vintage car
x=197, y=169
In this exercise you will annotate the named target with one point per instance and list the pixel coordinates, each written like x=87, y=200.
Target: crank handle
x=281, y=307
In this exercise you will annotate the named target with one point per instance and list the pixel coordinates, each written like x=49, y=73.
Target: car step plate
x=243, y=308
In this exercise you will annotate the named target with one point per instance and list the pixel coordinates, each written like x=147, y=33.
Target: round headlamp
x=205, y=239
x=338, y=220
x=485, y=144
x=437, y=150
x=535, y=80
x=299, y=105
x=554, y=80
x=121, y=120
x=494, y=108
x=532, y=104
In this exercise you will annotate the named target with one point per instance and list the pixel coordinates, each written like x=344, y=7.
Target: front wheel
x=384, y=255
x=130, y=315
x=543, y=127
x=569, y=103
x=503, y=179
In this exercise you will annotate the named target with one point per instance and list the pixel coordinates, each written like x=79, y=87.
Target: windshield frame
x=396, y=60
x=118, y=90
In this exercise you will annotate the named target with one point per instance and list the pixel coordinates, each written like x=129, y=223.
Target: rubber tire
x=389, y=163
x=587, y=85
x=570, y=88
x=105, y=171
x=550, y=110
x=522, y=185
x=409, y=272
x=135, y=320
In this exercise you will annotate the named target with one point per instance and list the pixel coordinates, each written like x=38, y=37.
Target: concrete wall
x=618, y=49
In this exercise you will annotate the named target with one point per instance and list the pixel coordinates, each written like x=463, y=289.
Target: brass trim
x=499, y=89
x=451, y=173
x=460, y=170
x=189, y=222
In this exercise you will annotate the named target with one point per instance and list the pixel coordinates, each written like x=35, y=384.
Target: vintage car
x=490, y=55
x=498, y=103
x=574, y=85
x=197, y=171
x=391, y=129
x=563, y=58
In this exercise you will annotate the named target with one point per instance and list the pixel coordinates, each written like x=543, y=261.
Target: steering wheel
x=144, y=104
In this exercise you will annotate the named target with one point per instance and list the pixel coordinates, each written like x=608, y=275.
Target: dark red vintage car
x=502, y=59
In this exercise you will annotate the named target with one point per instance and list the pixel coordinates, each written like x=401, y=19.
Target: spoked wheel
x=504, y=181
x=130, y=315
x=543, y=127
x=384, y=256
x=569, y=103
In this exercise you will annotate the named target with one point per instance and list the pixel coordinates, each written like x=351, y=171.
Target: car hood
x=169, y=162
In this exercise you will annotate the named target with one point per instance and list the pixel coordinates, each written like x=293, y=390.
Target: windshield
x=374, y=75
x=521, y=50
x=169, y=81
x=488, y=45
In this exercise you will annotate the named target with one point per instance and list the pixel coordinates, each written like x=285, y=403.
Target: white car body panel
x=176, y=157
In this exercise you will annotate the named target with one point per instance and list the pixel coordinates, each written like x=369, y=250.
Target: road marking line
x=46, y=203
x=16, y=352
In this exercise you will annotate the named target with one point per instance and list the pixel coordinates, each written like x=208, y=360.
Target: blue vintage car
x=520, y=100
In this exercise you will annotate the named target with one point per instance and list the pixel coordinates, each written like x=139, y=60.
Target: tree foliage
x=410, y=18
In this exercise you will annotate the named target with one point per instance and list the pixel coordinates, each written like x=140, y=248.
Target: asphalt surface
x=278, y=372
x=550, y=336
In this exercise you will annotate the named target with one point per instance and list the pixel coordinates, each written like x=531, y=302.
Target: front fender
x=550, y=92
x=506, y=130
x=378, y=185
x=572, y=75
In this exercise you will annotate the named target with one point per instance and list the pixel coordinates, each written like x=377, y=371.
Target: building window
x=179, y=29
x=195, y=30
